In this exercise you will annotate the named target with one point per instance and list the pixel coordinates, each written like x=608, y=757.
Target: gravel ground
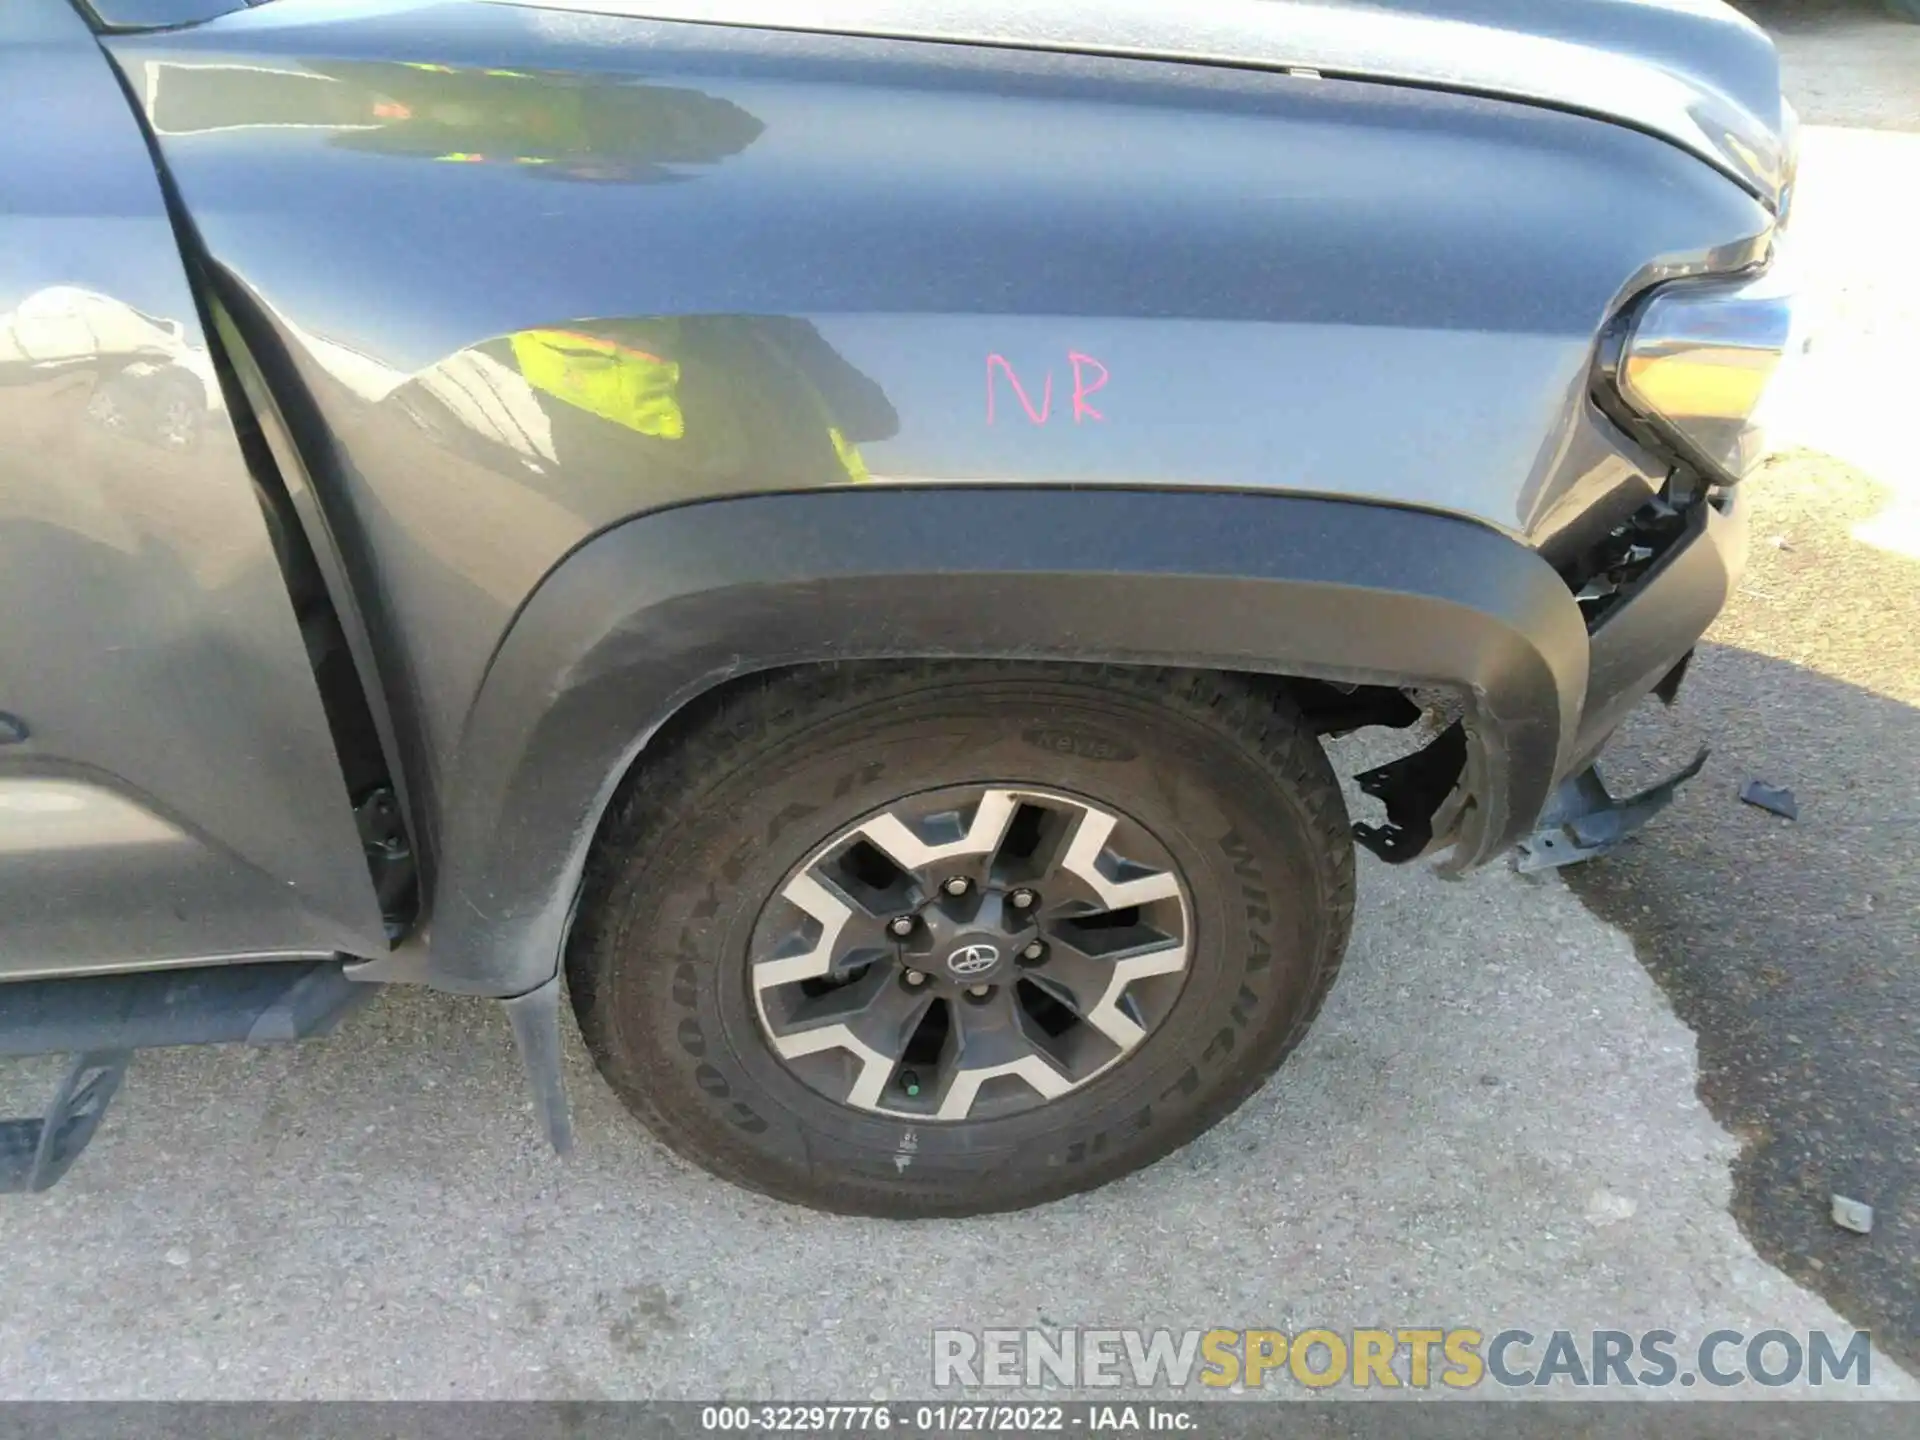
x=1496, y=1123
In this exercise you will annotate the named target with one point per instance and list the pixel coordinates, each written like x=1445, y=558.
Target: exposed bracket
x=1413, y=789
x=1583, y=820
x=383, y=836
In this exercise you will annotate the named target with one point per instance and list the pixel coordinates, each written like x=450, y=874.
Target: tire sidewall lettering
x=1254, y=942
x=1255, y=905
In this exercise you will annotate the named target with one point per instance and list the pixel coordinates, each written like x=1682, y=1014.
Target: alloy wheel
x=970, y=952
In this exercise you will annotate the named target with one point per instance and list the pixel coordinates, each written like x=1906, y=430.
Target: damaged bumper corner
x=1639, y=645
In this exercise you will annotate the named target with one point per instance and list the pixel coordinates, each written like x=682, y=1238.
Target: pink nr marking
x=1038, y=417
x=1081, y=389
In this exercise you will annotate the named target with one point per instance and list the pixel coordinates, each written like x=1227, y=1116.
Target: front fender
x=653, y=612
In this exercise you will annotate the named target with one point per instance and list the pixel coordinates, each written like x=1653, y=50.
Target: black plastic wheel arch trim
x=655, y=611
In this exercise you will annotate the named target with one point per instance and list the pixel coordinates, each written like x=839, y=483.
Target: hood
x=1693, y=72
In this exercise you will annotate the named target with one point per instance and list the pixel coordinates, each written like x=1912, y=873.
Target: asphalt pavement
x=1618, y=1103
x=1493, y=1124
x=1793, y=947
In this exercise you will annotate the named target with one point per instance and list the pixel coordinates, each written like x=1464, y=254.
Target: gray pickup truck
x=834, y=530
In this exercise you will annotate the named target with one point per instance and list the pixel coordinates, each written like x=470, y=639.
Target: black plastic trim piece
x=652, y=613
x=293, y=487
x=300, y=444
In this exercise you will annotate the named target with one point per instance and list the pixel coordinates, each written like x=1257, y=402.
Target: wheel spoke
x=850, y=934
x=891, y=1011
x=872, y=1018
x=990, y=1040
x=862, y=939
x=830, y=911
x=867, y=879
x=1034, y=841
x=1122, y=967
x=874, y=1066
x=1117, y=882
x=1071, y=975
x=910, y=851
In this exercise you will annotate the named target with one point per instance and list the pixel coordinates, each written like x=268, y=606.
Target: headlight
x=1697, y=361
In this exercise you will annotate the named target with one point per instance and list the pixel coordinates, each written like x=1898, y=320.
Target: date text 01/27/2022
x=946, y=1419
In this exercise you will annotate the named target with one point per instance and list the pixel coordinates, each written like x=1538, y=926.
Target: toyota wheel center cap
x=970, y=962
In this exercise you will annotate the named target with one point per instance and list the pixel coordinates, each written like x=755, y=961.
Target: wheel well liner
x=658, y=610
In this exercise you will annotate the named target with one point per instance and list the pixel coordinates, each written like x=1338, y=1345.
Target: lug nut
x=1022, y=899
x=957, y=886
x=901, y=925
x=979, y=992
x=1035, y=951
x=915, y=977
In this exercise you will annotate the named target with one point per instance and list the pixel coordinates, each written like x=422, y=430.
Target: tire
x=698, y=864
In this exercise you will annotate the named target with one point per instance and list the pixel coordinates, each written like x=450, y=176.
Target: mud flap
x=535, y=1017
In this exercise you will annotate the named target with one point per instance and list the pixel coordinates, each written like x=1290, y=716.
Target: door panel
x=171, y=789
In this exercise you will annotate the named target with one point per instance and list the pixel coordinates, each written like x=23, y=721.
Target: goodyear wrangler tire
x=946, y=939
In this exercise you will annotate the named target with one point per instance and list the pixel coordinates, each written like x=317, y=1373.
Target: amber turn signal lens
x=1698, y=362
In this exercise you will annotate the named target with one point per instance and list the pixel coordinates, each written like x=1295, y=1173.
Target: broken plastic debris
x=1775, y=798
x=1852, y=1215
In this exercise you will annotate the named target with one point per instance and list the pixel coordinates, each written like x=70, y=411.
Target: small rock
x=1780, y=542
x=1853, y=1215
x=176, y=1256
x=1604, y=1207
x=472, y=1288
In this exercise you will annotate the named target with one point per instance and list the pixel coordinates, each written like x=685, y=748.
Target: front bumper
x=1640, y=641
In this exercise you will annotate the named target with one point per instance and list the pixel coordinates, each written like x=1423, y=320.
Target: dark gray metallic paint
x=178, y=796
x=1170, y=278
x=1696, y=72
x=1156, y=275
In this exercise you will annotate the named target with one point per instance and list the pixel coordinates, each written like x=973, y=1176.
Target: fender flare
x=649, y=614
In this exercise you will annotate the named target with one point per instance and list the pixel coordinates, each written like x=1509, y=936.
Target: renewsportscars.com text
x=1414, y=1357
